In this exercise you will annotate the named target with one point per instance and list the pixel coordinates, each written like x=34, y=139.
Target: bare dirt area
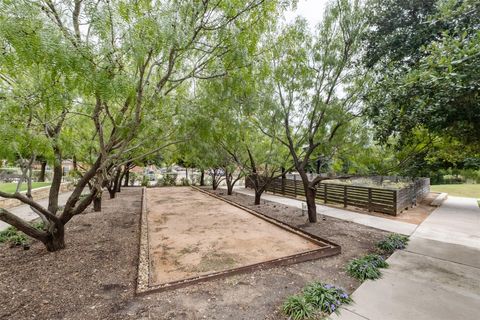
x=192, y=234
x=95, y=276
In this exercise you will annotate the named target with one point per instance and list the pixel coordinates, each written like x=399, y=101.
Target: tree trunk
x=310, y=197
x=202, y=177
x=118, y=181
x=126, y=178
x=55, y=240
x=56, y=182
x=74, y=163
x=229, y=189
x=258, y=196
x=42, y=171
x=97, y=203
x=229, y=180
x=312, y=207
x=112, y=192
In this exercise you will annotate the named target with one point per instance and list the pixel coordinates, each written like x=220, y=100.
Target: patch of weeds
x=393, y=242
x=39, y=225
x=17, y=238
x=215, y=261
x=12, y=236
x=317, y=299
x=298, y=308
x=366, y=267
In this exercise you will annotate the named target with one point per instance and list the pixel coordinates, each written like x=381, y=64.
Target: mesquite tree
x=93, y=69
x=317, y=86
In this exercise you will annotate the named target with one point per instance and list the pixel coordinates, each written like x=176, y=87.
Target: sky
x=311, y=10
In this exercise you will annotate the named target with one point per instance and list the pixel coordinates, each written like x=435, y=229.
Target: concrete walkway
x=437, y=277
x=365, y=219
x=26, y=213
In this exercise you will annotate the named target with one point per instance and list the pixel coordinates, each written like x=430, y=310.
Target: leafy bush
x=169, y=179
x=297, y=308
x=393, y=242
x=13, y=236
x=185, y=182
x=325, y=297
x=366, y=267
x=316, y=298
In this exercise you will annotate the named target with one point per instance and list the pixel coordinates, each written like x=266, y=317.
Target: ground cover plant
x=367, y=267
x=317, y=299
x=17, y=238
x=13, y=237
x=393, y=242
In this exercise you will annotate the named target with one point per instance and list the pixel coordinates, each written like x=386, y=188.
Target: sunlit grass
x=11, y=187
x=458, y=190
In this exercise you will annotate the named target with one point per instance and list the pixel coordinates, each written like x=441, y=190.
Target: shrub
x=297, y=308
x=185, y=182
x=325, y=297
x=393, y=242
x=169, y=179
x=366, y=267
x=316, y=298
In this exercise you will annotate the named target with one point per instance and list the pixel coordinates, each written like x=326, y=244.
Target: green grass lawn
x=458, y=190
x=11, y=187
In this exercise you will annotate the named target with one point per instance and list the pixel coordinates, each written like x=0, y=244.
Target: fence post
x=344, y=196
x=325, y=192
x=395, y=205
x=370, y=207
x=295, y=184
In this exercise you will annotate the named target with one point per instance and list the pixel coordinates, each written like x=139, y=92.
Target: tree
x=105, y=65
x=317, y=87
x=427, y=69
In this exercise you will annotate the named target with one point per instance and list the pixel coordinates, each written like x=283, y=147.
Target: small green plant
x=325, y=297
x=39, y=225
x=317, y=299
x=393, y=242
x=297, y=308
x=366, y=267
x=13, y=236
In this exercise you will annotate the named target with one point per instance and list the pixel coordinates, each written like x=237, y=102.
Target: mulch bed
x=95, y=276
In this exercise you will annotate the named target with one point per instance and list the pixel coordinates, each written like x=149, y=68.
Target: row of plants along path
x=318, y=300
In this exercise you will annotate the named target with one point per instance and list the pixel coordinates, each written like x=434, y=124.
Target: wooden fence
x=389, y=201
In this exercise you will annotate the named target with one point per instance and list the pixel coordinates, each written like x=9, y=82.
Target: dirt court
x=192, y=234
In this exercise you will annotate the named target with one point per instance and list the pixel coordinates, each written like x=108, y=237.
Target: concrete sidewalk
x=365, y=219
x=437, y=277
x=456, y=221
x=26, y=213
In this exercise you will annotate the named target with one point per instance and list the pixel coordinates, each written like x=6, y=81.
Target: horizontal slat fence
x=389, y=201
